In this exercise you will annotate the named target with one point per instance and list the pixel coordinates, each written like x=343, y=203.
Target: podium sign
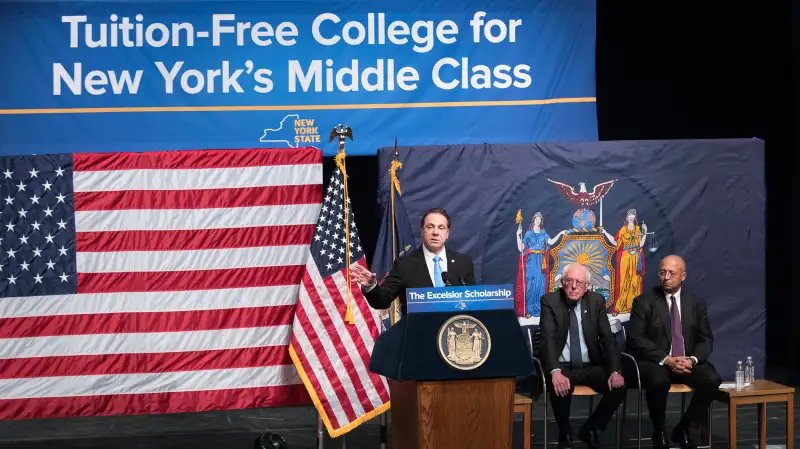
x=460, y=299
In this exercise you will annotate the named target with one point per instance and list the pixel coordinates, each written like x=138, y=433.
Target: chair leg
x=639, y=420
x=544, y=431
x=619, y=426
x=710, y=434
x=526, y=427
x=624, y=416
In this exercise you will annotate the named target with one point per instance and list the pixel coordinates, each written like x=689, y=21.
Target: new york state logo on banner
x=293, y=130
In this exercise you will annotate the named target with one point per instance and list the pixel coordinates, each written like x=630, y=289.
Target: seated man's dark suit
x=600, y=356
x=650, y=342
x=411, y=271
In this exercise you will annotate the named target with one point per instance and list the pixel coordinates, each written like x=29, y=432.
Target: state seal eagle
x=582, y=197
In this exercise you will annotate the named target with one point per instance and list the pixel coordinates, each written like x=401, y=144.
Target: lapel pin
x=452, y=261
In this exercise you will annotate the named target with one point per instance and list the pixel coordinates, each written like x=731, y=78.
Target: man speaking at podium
x=422, y=267
x=578, y=348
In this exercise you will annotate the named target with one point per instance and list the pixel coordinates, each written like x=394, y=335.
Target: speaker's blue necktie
x=437, y=272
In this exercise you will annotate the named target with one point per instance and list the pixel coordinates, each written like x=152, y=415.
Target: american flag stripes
x=331, y=355
x=152, y=282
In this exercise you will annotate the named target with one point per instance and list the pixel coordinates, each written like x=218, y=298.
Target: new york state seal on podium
x=464, y=342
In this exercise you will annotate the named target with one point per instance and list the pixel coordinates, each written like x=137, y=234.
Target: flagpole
x=320, y=435
x=392, y=185
x=384, y=425
x=391, y=192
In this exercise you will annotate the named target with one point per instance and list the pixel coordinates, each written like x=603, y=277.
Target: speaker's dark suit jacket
x=411, y=271
x=599, y=339
x=650, y=331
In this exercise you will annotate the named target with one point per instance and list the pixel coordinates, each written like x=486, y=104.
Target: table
x=760, y=392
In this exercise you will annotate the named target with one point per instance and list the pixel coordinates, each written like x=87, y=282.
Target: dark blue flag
x=525, y=211
x=395, y=238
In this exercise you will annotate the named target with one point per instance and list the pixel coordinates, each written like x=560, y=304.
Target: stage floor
x=238, y=429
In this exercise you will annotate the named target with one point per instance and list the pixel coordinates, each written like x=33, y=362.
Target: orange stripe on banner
x=298, y=107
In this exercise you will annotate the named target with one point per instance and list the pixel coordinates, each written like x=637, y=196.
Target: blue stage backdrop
x=517, y=210
x=137, y=75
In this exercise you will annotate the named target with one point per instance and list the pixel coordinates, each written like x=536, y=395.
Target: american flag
x=152, y=282
x=332, y=355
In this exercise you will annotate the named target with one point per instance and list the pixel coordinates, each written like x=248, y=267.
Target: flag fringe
x=393, y=174
x=318, y=404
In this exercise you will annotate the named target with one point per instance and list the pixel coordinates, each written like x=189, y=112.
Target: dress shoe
x=681, y=436
x=660, y=440
x=589, y=437
x=565, y=441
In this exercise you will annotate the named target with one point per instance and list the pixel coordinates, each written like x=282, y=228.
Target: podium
x=452, y=364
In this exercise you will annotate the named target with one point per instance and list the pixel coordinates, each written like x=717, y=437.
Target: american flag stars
x=330, y=240
x=37, y=237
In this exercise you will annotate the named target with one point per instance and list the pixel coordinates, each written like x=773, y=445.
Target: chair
x=674, y=388
x=578, y=390
x=524, y=405
x=533, y=342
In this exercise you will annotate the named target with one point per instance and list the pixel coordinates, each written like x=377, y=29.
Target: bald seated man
x=578, y=348
x=670, y=336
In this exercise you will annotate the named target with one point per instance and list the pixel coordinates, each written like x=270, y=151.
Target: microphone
x=462, y=281
x=446, y=279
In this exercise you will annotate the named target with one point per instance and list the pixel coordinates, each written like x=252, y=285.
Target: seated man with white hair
x=578, y=347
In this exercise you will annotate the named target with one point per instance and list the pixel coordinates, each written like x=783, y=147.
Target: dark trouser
x=656, y=379
x=596, y=378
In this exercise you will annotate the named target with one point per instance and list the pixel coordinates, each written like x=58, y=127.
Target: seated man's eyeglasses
x=568, y=281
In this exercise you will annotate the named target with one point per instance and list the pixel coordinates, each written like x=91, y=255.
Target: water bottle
x=739, y=376
x=749, y=371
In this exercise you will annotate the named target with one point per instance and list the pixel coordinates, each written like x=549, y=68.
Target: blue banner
x=525, y=211
x=146, y=75
x=464, y=298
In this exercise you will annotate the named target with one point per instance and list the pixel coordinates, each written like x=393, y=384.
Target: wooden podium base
x=465, y=414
